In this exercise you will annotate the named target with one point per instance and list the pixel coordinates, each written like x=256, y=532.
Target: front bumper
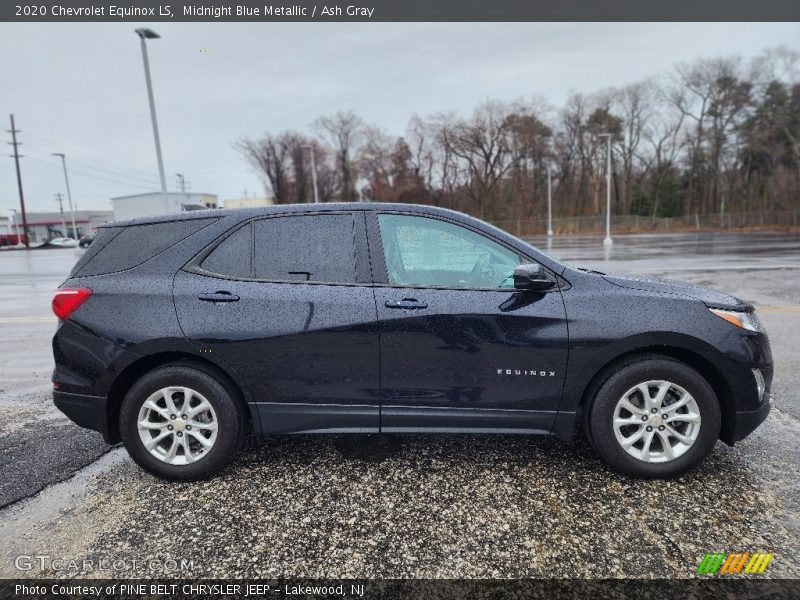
x=86, y=411
x=746, y=422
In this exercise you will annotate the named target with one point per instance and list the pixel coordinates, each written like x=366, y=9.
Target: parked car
x=86, y=240
x=62, y=242
x=179, y=334
x=11, y=239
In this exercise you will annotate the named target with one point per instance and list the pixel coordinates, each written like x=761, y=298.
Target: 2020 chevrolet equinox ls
x=180, y=334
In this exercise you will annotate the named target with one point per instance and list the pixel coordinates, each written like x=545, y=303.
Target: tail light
x=67, y=300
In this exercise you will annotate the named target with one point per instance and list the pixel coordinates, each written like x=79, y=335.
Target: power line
x=41, y=148
x=51, y=165
x=91, y=157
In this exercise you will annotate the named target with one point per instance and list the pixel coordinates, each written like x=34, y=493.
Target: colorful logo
x=739, y=562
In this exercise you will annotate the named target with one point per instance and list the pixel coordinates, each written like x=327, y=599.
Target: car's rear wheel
x=181, y=422
x=654, y=417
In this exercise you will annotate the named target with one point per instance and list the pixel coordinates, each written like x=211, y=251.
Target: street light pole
x=69, y=194
x=608, y=241
x=15, y=224
x=313, y=172
x=549, y=202
x=149, y=34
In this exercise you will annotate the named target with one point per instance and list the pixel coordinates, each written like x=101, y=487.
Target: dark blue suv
x=180, y=334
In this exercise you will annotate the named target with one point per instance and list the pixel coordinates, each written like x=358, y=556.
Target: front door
x=287, y=302
x=461, y=349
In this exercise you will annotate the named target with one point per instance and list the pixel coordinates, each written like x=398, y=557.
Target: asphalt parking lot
x=404, y=506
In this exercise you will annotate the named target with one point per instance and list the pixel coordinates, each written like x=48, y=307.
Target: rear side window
x=316, y=248
x=104, y=236
x=136, y=244
x=233, y=257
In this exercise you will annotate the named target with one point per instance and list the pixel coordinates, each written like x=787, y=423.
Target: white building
x=47, y=225
x=43, y=226
x=147, y=205
x=248, y=202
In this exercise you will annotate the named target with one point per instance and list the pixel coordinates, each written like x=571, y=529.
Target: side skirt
x=404, y=419
x=278, y=417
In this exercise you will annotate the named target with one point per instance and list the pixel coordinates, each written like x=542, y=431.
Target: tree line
x=713, y=136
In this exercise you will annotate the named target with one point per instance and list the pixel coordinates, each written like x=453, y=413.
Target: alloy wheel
x=177, y=425
x=656, y=421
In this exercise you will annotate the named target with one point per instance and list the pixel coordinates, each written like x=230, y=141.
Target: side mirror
x=531, y=277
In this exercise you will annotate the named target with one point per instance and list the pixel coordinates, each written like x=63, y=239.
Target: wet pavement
x=644, y=253
x=408, y=506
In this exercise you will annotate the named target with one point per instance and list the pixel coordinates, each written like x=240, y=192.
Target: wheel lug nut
x=180, y=434
x=644, y=418
x=169, y=427
x=653, y=410
x=172, y=417
x=662, y=428
x=183, y=417
x=188, y=427
x=664, y=416
x=649, y=428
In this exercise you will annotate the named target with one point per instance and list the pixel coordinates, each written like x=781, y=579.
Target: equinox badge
x=524, y=372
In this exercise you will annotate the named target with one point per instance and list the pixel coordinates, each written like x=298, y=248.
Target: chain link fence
x=596, y=224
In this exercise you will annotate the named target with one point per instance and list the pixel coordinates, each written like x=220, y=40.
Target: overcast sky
x=79, y=89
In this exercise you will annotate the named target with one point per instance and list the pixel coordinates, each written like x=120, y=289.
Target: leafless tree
x=344, y=132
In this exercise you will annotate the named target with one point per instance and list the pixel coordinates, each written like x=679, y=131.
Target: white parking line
x=27, y=319
x=784, y=308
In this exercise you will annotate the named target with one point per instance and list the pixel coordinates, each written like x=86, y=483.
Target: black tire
x=230, y=417
x=626, y=375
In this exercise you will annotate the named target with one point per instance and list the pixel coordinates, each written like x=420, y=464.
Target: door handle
x=406, y=304
x=218, y=296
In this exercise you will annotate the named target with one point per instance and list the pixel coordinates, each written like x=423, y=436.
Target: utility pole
x=182, y=183
x=69, y=194
x=608, y=241
x=313, y=172
x=549, y=202
x=60, y=200
x=13, y=132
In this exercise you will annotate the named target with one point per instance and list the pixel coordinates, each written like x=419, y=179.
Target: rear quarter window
x=135, y=244
x=104, y=236
x=233, y=257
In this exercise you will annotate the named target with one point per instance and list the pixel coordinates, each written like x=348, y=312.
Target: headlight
x=745, y=320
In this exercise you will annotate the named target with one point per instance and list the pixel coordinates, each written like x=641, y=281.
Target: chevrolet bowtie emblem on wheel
x=524, y=372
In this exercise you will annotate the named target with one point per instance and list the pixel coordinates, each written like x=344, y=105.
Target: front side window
x=316, y=248
x=421, y=251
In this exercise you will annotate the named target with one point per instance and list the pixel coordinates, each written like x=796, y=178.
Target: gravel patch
x=445, y=507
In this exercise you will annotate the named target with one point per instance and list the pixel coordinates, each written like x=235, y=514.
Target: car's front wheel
x=181, y=422
x=654, y=417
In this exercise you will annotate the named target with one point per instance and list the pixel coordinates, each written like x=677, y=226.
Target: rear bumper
x=86, y=411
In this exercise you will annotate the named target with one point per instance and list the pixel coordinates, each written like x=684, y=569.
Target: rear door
x=461, y=349
x=287, y=302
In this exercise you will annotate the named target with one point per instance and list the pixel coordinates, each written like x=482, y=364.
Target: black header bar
x=398, y=10
x=395, y=589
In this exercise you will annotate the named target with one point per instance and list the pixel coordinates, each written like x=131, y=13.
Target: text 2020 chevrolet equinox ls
x=179, y=334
